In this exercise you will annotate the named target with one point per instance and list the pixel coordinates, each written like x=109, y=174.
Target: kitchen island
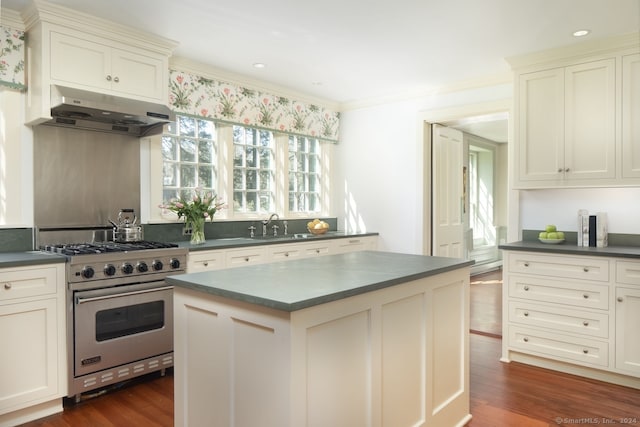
x=356, y=339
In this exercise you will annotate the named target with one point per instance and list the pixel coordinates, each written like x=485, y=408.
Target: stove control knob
x=87, y=272
x=109, y=270
x=142, y=267
x=175, y=263
x=157, y=265
x=127, y=268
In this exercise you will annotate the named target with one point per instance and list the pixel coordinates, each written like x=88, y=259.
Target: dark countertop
x=298, y=284
x=239, y=242
x=572, y=249
x=17, y=259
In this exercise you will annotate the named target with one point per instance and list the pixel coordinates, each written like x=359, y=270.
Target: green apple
x=550, y=228
x=542, y=235
x=552, y=236
x=560, y=234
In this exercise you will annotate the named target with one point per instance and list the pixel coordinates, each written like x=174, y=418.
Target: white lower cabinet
x=215, y=259
x=32, y=336
x=578, y=314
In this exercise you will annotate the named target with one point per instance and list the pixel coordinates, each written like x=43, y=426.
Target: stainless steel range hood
x=86, y=110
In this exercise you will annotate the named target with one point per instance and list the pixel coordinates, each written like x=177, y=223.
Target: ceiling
x=356, y=51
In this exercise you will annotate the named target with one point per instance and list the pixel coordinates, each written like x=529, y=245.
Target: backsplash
x=16, y=239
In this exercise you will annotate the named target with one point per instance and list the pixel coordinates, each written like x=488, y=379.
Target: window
x=189, y=154
x=304, y=174
x=254, y=169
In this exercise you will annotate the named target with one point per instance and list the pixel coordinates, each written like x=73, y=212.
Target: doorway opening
x=484, y=187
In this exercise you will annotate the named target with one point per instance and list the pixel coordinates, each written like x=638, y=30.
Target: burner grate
x=72, y=249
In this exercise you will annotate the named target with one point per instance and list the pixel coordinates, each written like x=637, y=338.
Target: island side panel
x=231, y=362
x=393, y=357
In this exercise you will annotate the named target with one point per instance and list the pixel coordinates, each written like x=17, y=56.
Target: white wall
x=378, y=168
x=560, y=207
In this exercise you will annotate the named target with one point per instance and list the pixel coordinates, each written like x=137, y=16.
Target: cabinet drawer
x=284, y=252
x=28, y=282
x=317, y=249
x=559, y=318
x=583, y=268
x=583, y=351
x=628, y=272
x=241, y=257
x=578, y=294
x=205, y=261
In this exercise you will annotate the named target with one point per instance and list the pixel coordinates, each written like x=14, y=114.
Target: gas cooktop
x=71, y=249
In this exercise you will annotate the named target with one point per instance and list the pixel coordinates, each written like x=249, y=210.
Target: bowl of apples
x=317, y=227
x=551, y=235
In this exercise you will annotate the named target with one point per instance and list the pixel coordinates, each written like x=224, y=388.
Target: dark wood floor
x=502, y=395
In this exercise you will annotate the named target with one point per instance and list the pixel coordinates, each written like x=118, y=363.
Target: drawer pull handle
x=526, y=264
x=585, y=296
x=526, y=314
x=585, y=323
x=585, y=351
x=620, y=299
x=526, y=288
x=7, y=286
x=586, y=269
x=525, y=339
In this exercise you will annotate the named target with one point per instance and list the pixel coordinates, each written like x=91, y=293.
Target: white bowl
x=552, y=241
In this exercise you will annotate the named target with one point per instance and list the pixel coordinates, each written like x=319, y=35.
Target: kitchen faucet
x=267, y=222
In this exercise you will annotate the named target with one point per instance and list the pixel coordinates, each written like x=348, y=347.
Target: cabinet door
x=541, y=125
x=627, y=322
x=29, y=359
x=205, y=261
x=355, y=244
x=138, y=75
x=630, y=114
x=590, y=134
x=80, y=63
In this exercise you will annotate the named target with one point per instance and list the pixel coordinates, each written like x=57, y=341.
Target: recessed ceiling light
x=258, y=65
x=581, y=33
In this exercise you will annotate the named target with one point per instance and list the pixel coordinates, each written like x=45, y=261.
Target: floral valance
x=198, y=96
x=12, y=58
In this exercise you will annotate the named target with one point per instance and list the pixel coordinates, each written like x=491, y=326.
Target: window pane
x=169, y=175
x=304, y=176
x=205, y=151
x=186, y=126
x=205, y=129
x=169, y=151
x=252, y=179
x=188, y=150
x=188, y=176
x=205, y=177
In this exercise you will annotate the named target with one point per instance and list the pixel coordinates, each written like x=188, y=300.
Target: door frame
x=425, y=120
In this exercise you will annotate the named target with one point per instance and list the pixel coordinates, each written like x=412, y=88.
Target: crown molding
x=577, y=51
x=211, y=72
x=416, y=95
x=12, y=19
x=42, y=11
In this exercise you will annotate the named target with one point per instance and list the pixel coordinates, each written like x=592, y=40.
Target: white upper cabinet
x=631, y=116
x=123, y=71
x=566, y=124
x=576, y=113
x=67, y=48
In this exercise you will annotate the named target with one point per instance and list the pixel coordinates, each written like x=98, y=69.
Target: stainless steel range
x=119, y=310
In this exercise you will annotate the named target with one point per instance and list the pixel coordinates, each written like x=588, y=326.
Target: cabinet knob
x=246, y=259
x=286, y=254
x=559, y=170
x=108, y=77
x=567, y=170
x=526, y=288
x=116, y=79
x=585, y=323
x=585, y=269
x=525, y=339
x=206, y=264
x=620, y=299
x=526, y=314
x=317, y=251
x=7, y=286
x=585, y=351
x=526, y=264
x=585, y=296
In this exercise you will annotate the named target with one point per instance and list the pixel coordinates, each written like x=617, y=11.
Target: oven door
x=122, y=324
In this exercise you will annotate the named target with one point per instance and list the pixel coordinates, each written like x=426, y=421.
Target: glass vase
x=197, y=231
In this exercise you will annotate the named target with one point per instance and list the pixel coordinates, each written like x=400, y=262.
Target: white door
x=447, y=192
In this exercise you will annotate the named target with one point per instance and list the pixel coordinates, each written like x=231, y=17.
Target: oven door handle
x=80, y=300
